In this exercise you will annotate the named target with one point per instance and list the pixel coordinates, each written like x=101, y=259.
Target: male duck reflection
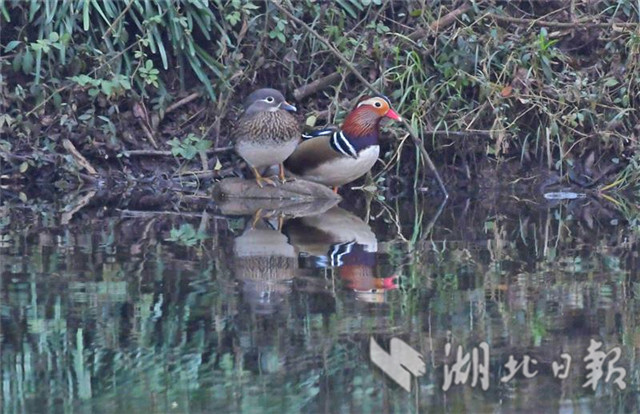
x=340, y=239
x=265, y=263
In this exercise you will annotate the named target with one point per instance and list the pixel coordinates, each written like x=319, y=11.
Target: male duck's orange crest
x=379, y=105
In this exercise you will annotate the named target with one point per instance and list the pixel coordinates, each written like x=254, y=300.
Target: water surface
x=162, y=312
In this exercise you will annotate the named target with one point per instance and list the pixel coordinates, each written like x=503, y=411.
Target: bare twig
x=156, y=153
x=76, y=205
x=196, y=175
x=426, y=230
x=142, y=115
x=151, y=214
x=112, y=25
x=315, y=86
x=586, y=22
x=147, y=153
x=148, y=133
x=80, y=159
x=467, y=133
x=181, y=102
x=416, y=140
x=442, y=23
x=50, y=158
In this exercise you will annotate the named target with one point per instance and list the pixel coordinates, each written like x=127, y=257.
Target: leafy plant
x=189, y=147
x=186, y=235
x=108, y=87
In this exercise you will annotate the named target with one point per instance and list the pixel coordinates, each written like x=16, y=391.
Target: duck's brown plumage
x=337, y=158
x=266, y=134
x=310, y=154
x=265, y=263
x=268, y=128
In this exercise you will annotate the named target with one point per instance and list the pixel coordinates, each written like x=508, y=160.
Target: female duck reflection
x=340, y=239
x=265, y=263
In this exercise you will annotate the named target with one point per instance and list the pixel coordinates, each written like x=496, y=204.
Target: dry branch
x=76, y=205
x=182, y=102
x=442, y=23
x=316, y=86
x=297, y=190
x=152, y=214
x=112, y=25
x=80, y=159
x=158, y=153
x=587, y=22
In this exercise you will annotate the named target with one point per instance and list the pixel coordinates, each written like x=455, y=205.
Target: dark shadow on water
x=123, y=311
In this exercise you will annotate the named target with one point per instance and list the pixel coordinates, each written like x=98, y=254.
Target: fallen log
x=298, y=190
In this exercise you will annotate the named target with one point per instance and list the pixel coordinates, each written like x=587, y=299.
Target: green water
x=120, y=312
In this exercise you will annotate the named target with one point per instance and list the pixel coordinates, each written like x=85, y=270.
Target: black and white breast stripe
x=314, y=134
x=341, y=144
x=339, y=250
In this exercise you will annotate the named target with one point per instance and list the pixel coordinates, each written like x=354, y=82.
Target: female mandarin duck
x=335, y=158
x=266, y=134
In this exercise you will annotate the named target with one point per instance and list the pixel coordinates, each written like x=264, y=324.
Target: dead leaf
x=139, y=111
x=311, y=121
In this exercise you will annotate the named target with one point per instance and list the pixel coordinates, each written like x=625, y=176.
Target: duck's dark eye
x=377, y=104
x=269, y=99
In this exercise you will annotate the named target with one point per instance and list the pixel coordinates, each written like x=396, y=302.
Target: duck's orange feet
x=281, y=176
x=256, y=218
x=260, y=179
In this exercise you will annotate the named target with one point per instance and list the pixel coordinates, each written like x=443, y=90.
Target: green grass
x=514, y=87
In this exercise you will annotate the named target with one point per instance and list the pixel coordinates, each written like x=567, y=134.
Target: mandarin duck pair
x=267, y=134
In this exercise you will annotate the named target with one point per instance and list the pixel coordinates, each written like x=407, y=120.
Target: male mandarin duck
x=266, y=133
x=335, y=158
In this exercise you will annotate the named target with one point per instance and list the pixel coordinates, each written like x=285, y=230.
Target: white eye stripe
x=371, y=101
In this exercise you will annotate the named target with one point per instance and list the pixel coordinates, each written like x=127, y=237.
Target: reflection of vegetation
x=187, y=235
x=103, y=315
